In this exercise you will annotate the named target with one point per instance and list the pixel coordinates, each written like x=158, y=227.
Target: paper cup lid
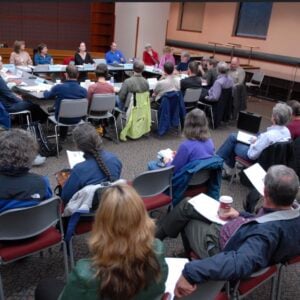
x=226, y=199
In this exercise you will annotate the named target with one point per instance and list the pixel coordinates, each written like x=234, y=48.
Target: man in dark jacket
x=246, y=243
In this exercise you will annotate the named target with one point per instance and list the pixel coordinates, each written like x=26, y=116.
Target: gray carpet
x=20, y=278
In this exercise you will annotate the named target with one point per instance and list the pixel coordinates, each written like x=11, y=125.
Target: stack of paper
x=256, y=175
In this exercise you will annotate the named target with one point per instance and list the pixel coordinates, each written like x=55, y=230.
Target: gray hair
x=281, y=113
x=222, y=67
x=282, y=185
x=138, y=66
x=18, y=149
x=185, y=54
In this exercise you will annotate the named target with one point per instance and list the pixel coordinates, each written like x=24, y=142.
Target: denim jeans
x=231, y=148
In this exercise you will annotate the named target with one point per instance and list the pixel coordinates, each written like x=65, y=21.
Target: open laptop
x=99, y=61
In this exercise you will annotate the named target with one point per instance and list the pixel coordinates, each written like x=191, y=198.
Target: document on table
x=75, y=157
x=256, y=175
x=207, y=207
x=245, y=137
x=38, y=88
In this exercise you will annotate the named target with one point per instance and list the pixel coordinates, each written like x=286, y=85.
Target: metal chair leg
x=117, y=135
x=56, y=138
x=65, y=253
x=71, y=253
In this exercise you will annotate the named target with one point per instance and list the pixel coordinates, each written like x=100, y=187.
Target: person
x=126, y=262
x=99, y=166
x=19, y=187
x=82, y=57
x=236, y=72
x=150, y=57
x=184, y=62
x=42, y=57
x=135, y=84
x=167, y=56
x=278, y=132
x=198, y=143
x=114, y=55
x=212, y=73
x=203, y=67
x=247, y=242
x=69, y=89
x=101, y=86
x=294, y=125
x=19, y=56
x=193, y=81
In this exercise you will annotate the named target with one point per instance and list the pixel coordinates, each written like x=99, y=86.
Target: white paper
x=256, y=175
x=175, y=266
x=38, y=88
x=75, y=157
x=207, y=207
x=245, y=137
x=152, y=83
x=166, y=153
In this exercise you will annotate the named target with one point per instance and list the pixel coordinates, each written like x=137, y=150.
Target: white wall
x=152, y=29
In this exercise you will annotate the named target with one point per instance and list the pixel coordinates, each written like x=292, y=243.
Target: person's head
x=281, y=114
x=235, y=63
x=1, y=64
x=148, y=47
x=42, y=49
x=185, y=57
x=71, y=71
x=167, y=50
x=295, y=105
x=193, y=68
x=82, y=47
x=169, y=68
x=138, y=66
x=18, y=149
x=212, y=63
x=113, y=47
x=121, y=244
x=281, y=186
x=19, y=46
x=101, y=71
x=222, y=67
x=196, y=125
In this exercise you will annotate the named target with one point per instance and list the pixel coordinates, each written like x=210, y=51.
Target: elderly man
x=184, y=62
x=236, y=72
x=246, y=243
x=114, y=55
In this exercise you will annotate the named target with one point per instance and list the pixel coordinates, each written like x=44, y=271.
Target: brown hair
x=295, y=105
x=101, y=71
x=121, y=244
x=72, y=71
x=17, y=46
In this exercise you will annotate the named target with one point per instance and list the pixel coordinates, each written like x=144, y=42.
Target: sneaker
x=39, y=160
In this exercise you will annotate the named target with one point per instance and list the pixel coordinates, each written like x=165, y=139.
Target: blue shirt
x=42, y=60
x=183, y=66
x=222, y=82
x=114, y=57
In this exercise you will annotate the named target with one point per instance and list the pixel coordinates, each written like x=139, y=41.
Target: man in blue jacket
x=246, y=243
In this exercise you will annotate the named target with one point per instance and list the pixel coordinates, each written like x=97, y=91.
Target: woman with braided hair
x=99, y=165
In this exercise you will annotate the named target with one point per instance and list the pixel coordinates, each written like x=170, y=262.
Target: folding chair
x=29, y=230
x=27, y=113
x=255, y=83
x=69, y=108
x=191, y=98
x=205, y=107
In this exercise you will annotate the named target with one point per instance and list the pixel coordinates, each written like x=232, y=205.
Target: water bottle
x=112, y=80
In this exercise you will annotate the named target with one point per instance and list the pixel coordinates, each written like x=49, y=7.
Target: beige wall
x=218, y=26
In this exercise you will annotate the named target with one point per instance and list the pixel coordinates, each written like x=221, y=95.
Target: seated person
x=19, y=56
x=198, y=143
x=114, y=55
x=99, y=166
x=247, y=242
x=4, y=118
x=182, y=67
x=42, y=57
x=294, y=125
x=167, y=56
x=19, y=187
x=278, y=132
x=203, y=67
x=135, y=84
x=69, y=89
x=212, y=72
x=236, y=72
x=193, y=81
x=150, y=57
x=123, y=248
x=82, y=57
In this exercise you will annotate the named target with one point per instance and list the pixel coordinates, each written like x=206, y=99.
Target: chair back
x=200, y=177
x=257, y=78
x=73, y=108
x=103, y=103
x=22, y=223
x=152, y=183
x=192, y=95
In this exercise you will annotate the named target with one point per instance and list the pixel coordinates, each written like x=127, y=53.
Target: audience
x=203, y=67
x=247, y=242
x=278, y=132
x=114, y=55
x=19, y=56
x=294, y=125
x=99, y=165
x=70, y=89
x=19, y=187
x=236, y=72
x=150, y=57
x=42, y=57
x=193, y=81
x=212, y=72
x=184, y=62
x=82, y=57
x=167, y=56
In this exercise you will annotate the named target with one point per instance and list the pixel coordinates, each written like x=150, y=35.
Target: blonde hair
x=121, y=244
x=167, y=49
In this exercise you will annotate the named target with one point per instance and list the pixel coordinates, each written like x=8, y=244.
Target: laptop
x=100, y=61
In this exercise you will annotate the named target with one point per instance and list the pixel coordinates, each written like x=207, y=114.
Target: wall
x=152, y=29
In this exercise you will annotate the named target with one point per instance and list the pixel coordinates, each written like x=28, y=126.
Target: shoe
x=39, y=160
x=225, y=175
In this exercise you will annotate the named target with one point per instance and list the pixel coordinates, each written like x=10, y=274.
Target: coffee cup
x=225, y=205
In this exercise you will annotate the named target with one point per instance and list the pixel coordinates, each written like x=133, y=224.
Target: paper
x=175, y=266
x=166, y=153
x=256, y=175
x=75, y=157
x=207, y=207
x=245, y=137
x=38, y=88
x=152, y=83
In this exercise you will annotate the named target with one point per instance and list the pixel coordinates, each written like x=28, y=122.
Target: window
x=191, y=16
x=253, y=19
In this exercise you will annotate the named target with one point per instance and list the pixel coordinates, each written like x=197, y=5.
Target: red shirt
x=100, y=88
x=294, y=128
x=150, y=60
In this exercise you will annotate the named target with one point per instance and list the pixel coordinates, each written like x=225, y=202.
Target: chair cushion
x=221, y=296
x=195, y=190
x=157, y=201
x=84, y=227
x=294, y=260
x=10, y=250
